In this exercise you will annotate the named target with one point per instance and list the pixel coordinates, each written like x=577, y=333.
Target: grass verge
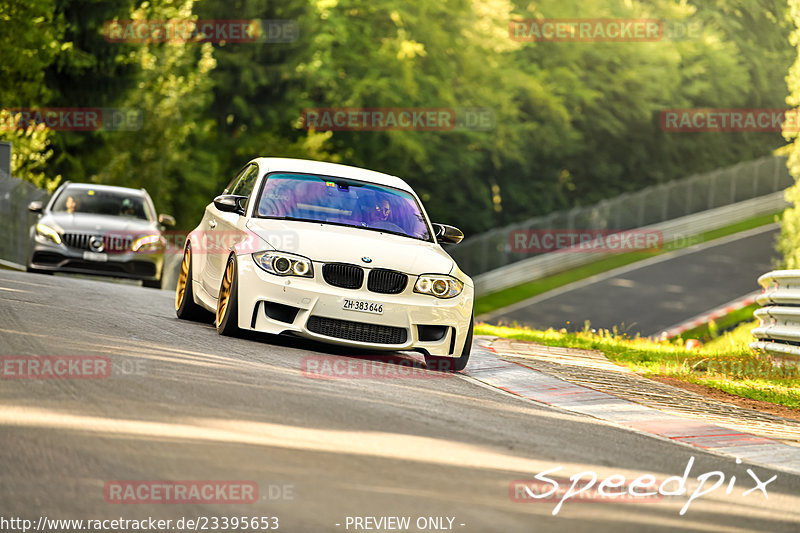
x=725, y=363
x=714, y=328
x=500, y=299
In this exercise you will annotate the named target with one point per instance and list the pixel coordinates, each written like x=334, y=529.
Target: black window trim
x=235, y=181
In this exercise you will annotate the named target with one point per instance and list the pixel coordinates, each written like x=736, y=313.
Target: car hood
x=89, y=223
x=340, y=244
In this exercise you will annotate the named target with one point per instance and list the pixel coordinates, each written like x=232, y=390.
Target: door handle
x=212, y=223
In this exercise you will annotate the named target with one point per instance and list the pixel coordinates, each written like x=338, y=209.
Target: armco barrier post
x=778, y=331
x=5, y=160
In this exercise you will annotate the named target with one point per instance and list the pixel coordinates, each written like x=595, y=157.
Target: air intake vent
x=77, y=240
x=356, y=331
x=386, y=281
x=111, y=242
x=280, y=312
x=343, y=275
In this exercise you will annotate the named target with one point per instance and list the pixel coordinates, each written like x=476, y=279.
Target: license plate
x=363, y=306
x=95, y=256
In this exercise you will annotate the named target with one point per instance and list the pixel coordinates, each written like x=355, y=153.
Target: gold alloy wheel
x=225, y=292
x=182, y=277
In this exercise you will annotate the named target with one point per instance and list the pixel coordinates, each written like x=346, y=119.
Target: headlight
x=148, y=242
x=438, y=285
x=283, y=264
x=43, y=230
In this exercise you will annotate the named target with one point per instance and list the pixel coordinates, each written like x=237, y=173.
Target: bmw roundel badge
x=366, y=259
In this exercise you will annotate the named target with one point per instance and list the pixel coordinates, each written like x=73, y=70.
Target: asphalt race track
x=649, y=299
x=182, y=403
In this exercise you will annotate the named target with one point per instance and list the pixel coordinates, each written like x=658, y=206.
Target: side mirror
x=448, y=234
x=35, y=207
x=166, y=220
x=230, y=203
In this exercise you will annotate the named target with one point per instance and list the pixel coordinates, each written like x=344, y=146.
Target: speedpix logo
x=589, y=486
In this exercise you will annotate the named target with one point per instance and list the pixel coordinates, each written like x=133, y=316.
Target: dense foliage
x=789, y=241
x=574, y=121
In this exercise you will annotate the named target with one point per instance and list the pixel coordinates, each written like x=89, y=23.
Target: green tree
x=89, y=71
x=575, y=122
x=32, y=33
x=172, y=92
x=258, y=89
x=789, y=240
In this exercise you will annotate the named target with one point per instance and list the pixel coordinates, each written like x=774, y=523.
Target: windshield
x=342, y=201
x=100, y=202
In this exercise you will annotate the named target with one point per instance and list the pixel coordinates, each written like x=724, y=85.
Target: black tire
x=227, y=319
x=453, y=364
x=185, y=307
x=152, y=283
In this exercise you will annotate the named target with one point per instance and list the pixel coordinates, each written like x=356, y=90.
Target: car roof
x=277, y=164
x=109, y=188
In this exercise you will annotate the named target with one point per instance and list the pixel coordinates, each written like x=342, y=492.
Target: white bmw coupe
x=329, y=252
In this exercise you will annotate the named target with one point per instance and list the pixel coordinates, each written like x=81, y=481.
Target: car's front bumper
x=51, y=257
x=313, y=309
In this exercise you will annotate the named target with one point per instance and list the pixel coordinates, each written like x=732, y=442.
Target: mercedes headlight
x=148, y=243
x=439, y=286
x=283, y=264
x=45, y=231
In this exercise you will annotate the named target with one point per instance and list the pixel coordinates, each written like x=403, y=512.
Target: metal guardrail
x=5, y=159
x=485, y=252
x=545, y=265
x=15, y=220
x=778, y=333
x=708, y=316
